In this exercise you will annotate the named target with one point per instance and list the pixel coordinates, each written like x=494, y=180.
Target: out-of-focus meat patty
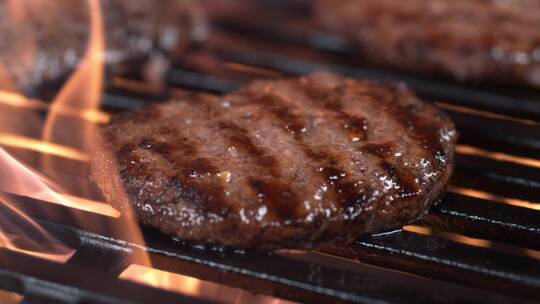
x=478, y=40
x=42, y=40
x=280, y=163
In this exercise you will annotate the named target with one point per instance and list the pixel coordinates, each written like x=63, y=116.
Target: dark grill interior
x=433, y=264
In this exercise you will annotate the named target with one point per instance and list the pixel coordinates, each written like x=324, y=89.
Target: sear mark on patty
x=271, y=165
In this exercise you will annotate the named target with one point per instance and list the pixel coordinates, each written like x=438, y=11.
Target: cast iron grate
x=402, y=266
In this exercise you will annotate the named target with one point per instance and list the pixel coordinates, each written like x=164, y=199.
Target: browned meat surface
x=280, y=163
x=42, y=40
x=470, y=40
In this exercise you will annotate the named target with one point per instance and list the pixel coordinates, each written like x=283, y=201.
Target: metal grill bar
x=519, y=107
x=473, y=217
x=305, y=33
x=306, y=276
x=490, y=171
x=485, y=219
x=510, y=137
x=489, y=133
x=206, y=82
x=39, y=279
x=499, y=135
x=497, y=177
x=298, y=278
x=518, y=180
x=439, y=258
x=512, y=180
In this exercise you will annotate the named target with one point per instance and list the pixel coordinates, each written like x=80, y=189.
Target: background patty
x=280, y=163
x=466, y=39
x=44, y=40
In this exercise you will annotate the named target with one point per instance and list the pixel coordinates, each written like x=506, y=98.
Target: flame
x=41, y=244
x=82, y=93
x=22, y=180
x=17, y=231
x=74, y=110
x=192, y=286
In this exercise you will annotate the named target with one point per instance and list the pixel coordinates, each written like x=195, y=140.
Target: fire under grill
x=479, y=244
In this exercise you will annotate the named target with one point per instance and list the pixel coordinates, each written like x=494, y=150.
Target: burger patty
x=469, y=40
x=279, y=163
x=44, y=40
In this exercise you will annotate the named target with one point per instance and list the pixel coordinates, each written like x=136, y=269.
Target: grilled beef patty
x=473, y=40
x=280, y=163
x=48, y=38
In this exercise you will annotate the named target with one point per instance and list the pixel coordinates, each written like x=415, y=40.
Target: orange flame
x=75, y=110
x=21, y=180
x=82, y=93
x=17, y=231
x=16, y=179
x=193, y=287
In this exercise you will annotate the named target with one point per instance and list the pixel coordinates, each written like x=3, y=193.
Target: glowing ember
x=531, y=162
x=495, y=198
x=458, y=238
x=532, y=253
x=486, y=114
x=17, y=100
x=252, y=70
x=193, y=287
x=17, y=141
x=134, y=85
x=20, y=101
x=162, y=279
x=7, y=297
x=450, y=236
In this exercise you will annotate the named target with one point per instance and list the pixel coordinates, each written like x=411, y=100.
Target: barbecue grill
x=478, y=244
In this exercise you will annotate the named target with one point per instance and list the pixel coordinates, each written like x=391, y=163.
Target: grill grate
x=431, y=268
